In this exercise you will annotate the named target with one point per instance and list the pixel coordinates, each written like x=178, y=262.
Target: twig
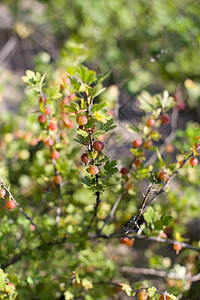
x=8, y=48
x=158, y=273
x=22, y=211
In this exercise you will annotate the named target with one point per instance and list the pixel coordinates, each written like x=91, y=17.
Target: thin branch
x=158, y=273
x=8, y=48
x=22, y=211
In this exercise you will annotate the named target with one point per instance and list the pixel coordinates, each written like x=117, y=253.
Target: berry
x=57, y=179
x=10, y=204
x=55, y=154
x=193, y=161
x=2, y=193
x=124, y=170
x=142, y=295
x=163, y=176
x=150, y=122
x=68, y=124
x=48, y=141
x=41, y=119
x=84, y=158
x=165, y=119
x=98, y=146
x=138, y=162
x=177, y=247
x=148, y=144
x=53, y=126
x=137, y=143
x=47, y=110
x=181, y=105
x=93, y=170
x=129, y=185
x=42, y=99
x=169, y=148
x=82, y=120
x=126, y=241
x=166, y=297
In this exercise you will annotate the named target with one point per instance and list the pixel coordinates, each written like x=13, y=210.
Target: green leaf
x=2, y=279
x=96, y=90
x=149, y=215
x=110, y=167
x=81, y=140
x=167, y=220
x=68, y=295
x=83, y=133
x=151, y=291
x=102, y=116
x=85, y=74
x=75, y=83
x=73, y=107
x=126, y=288
x=54, y=92
x=159, y=157
x=98, y=133
x=100, y=106
x=102, y=76
x=87, y=284
x=106, y=126
x=133, y=128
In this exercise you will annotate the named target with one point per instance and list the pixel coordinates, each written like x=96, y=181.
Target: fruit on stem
x=137, y=143
x=93, y=170
x=193, y=161
x=98, y=146
x=165, y=119
x=41, y=119
x=82, y=120
x=84, y=158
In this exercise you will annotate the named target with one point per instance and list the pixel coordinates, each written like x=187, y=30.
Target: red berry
x=137, y=143
x=47, y=110
x=53, y=126
x=55, y=154
x=41, y=119
x=142, y=295
x=150, y=122
x=165, y=119
x=148, y=144
x=126, y=241
x=98, y=146
x=84, y=158
x=10, y=204
x=193, y=161
x=124, y=170
x=166, y=297
x=48, y=141
x=177, y=247
x=2, y=193
x=93, y=170
x=57, y=179
x=82, y=120
x=69, y=124
x=42, y=99
x=181, y=105
x=138, y=162
x=163, y=176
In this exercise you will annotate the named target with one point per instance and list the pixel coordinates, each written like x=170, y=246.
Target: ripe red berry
x=82, y=120
x=55, y=154
x=151, y=122
x=2, y=193
x=193, y=161
x=84, y=158
x=98, y=146
x=137, y=143
x=148, y=144
x=41, y=119
x=48, y=141
x=93, y=170
x=126, y=241
x=124, y=170
x=10, y=204
x=165, y=119
x=47, y=110
x=53, y=126
x=163, y=176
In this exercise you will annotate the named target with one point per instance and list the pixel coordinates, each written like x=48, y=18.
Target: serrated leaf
x=81, y=140
x=54, y=92
x=106, y=126
x=75, y=83
x=99, y=106
x=82, y=133
x=86, y=181
x=87, y=284
x=149, y=214
x=151, y=291
x=102, y=116
x=110, y=167
x=73, y=107
x=2, y=279
x=101, y=77
x=87, y=76
x=98, y=133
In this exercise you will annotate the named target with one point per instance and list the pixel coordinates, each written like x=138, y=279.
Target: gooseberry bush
x=73, y=218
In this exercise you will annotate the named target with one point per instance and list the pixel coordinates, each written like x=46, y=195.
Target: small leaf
x=151, y=291
x=75, y=83
x=68, y=295
x=83, y=133
x=87, y=284
x=86, y=181
x=2, y=279
x=149, y=214
x=110, y=167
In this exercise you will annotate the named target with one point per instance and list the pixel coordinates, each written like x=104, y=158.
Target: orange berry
x=150, y=122
x=93, y=170
x=53, y=126
x=47, y=110
x=126, y=241
x=177, y=247
x=163, y=176
x=148, y=144
x=82, y=120
x=55, y=154
x=57, y=179
x=10, y=204
x=142, y=295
